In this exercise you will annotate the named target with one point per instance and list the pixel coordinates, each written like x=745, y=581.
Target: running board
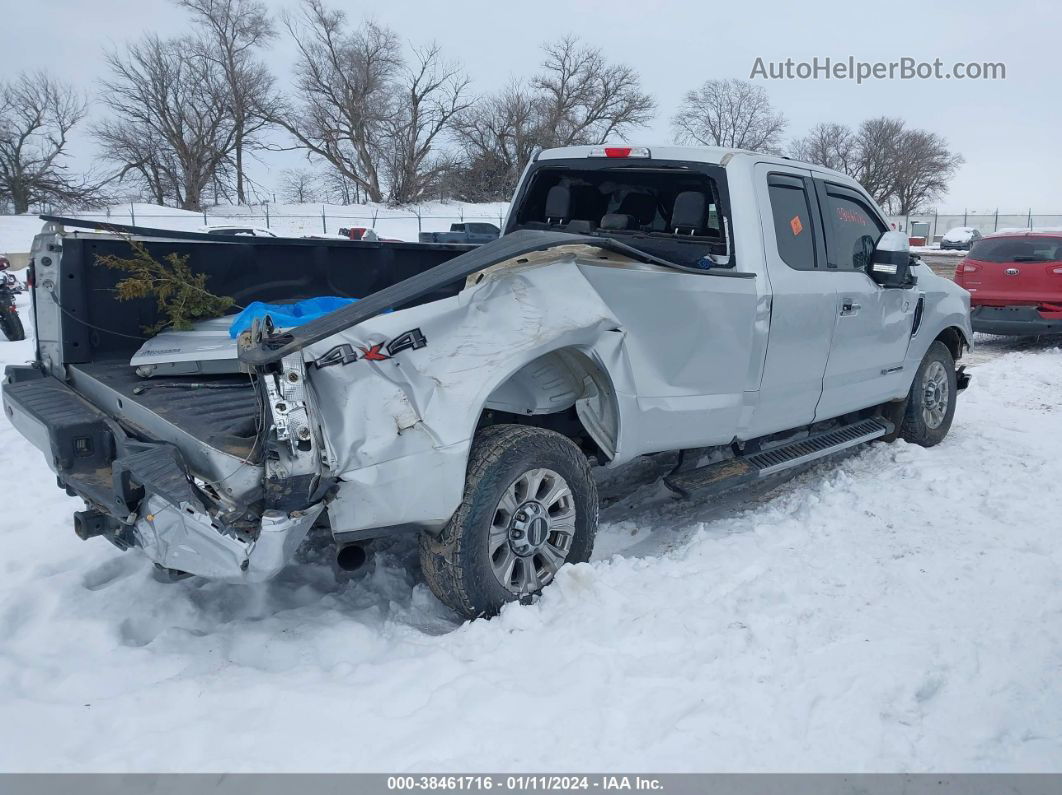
x=752, y=467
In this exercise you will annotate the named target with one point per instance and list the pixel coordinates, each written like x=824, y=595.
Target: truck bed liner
x=224, y=419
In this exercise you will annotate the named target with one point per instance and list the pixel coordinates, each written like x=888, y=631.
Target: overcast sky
x=1007, y=130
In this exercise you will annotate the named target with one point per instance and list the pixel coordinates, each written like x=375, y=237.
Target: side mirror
x=890, y=263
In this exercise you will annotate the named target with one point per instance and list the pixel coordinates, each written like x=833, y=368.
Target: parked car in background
x=960, y=238
x=253, y=231
x=463, y=233
x=1015, y=283
x=359, y=233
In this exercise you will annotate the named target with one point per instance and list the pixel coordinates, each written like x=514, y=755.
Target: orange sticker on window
x=795, y=225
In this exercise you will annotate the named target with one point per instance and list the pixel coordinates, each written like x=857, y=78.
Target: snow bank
x=899, y=610
x=937, y=250
x=296, y=220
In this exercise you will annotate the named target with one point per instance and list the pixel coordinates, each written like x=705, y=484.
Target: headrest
x=579, y=227
x=688, y=213
x=617, y=221
x=558, y=203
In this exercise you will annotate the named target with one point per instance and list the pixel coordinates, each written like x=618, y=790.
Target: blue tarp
x=287, y=315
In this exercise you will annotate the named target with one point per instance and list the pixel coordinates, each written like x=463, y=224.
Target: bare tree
x=924, y=167
x=299, y=185
x=497, y=136
x=576, y=98
x=232, y=31
x=339, y=189
x=732, y=113
x=878, y=143
x=828, y=144
x=345, y=83
x=146, y=164
x=37, y=114
x=585, y=100
x=430, y=94
x=172, y=124
x=901, y=168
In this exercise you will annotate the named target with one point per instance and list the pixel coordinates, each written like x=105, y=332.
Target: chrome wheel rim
x=531, y=531
x=935, y=394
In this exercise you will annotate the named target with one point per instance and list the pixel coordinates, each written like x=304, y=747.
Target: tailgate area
x=106, y=442
x=90, y=453
x=142, y=492
x=72, y=433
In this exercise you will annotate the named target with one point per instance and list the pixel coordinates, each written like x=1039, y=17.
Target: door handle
x=849, y=307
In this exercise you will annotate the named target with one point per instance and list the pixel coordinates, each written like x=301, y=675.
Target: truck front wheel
x=931, y=402
x=529, y=507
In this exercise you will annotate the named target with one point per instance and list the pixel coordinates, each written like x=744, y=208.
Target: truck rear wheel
x=931, y=402
x=529, y=507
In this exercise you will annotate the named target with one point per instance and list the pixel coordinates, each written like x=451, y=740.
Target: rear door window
x=793, y=229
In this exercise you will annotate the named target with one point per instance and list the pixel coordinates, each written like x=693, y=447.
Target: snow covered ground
x=898, y=610
x=296, y=220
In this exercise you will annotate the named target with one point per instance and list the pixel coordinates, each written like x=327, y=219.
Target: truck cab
x=827, y=333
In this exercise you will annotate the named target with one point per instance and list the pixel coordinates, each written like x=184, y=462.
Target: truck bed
x=224, y=417
x=86, y=336
x=90, y=324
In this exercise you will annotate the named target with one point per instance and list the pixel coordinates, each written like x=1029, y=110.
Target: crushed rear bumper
x=142, y=493
x=1020, y=321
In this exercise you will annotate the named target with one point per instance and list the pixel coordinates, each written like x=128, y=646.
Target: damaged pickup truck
x=753, y=312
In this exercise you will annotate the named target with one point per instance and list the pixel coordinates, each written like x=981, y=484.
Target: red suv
x=1015, y=283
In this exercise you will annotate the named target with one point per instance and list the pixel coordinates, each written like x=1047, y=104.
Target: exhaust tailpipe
x=351, y=557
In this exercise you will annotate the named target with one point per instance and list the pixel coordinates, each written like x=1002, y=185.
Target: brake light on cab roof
x=620, y=151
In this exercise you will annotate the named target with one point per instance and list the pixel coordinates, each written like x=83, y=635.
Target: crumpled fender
x=399, y=416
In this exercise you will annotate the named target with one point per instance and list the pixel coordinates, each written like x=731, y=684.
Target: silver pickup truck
x=753, y=312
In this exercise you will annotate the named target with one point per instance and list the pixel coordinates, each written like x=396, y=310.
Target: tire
x=12, y=326
x=931, y=401
x=522, y=485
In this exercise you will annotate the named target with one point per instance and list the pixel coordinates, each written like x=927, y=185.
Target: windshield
x=673, y=213
x=1018, y=249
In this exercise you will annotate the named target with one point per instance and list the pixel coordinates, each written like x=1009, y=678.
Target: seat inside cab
x=669, y=213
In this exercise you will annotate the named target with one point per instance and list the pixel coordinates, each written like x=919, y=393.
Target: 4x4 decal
x=345, y=353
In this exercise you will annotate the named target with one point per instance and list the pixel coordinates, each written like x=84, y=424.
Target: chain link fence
x=328, y=221
x=407, y=223
x=933, y=226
